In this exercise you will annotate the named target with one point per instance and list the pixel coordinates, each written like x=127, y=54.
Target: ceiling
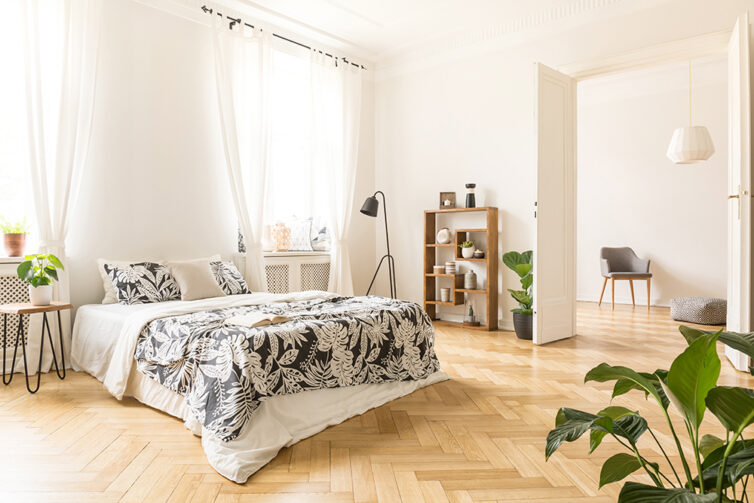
x=378, y=29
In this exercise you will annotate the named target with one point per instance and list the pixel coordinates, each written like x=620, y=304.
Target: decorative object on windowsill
x=242, y=244
x=14, y=236
x=467, y=249
x=447, y=200
x=281, y=235
x=690, y=144
x=450, y=267
x=444, y=294
x=470, y=197
x=370, y=207
x=470, y=319
x=469, y=280
x=478, y=253
x=321, y=242
x=444, y=236
x=268, y=244
x=438, y=269
x=521, y=264
x=39, y=271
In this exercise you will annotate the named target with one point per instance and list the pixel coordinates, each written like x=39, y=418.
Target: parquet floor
x=478, y=437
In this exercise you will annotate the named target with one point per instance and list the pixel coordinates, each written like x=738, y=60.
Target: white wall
x=465, y=113
x=155, y=184
x=630, y=194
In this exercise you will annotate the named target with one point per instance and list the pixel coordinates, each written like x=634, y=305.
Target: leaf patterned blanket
x=224, y=371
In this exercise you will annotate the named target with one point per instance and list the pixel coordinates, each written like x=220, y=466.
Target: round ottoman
x=702, y=310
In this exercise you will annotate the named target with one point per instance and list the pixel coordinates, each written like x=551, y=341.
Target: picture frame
x=447, y=196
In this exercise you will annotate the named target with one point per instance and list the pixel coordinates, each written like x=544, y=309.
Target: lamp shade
x=370, y=206
x=690, y=144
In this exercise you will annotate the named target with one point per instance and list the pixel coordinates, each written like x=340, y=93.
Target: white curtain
x=61, y=44
x=242, y=70
x=336, y=113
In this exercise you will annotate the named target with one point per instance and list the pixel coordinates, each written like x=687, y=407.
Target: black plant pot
x=522, y=324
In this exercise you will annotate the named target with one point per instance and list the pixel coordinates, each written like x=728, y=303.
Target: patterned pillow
x=229, y=278
x=142, y=283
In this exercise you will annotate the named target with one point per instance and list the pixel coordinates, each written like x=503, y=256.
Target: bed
x=288, y=382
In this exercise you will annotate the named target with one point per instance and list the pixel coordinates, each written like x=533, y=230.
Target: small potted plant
x=467, y=249
x=39, y=271
x=14, y=236
x=521, y=264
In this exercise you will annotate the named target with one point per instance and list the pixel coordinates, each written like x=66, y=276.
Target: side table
x=28, y=309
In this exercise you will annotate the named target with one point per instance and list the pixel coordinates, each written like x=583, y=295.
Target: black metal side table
x=28, y=309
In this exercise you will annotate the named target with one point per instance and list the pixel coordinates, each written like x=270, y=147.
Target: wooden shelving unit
x=457, y=292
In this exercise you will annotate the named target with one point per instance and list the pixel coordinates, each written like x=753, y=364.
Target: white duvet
x=279, y=422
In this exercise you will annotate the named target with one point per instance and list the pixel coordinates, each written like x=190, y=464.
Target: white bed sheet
x=280, y=421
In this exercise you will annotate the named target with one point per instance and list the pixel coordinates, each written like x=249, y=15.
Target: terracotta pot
x=15, y=244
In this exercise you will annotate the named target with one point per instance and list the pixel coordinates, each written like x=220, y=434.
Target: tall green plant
x=722, y=466
x=521, y=264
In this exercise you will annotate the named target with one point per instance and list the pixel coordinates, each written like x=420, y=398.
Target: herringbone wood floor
x=478, y=437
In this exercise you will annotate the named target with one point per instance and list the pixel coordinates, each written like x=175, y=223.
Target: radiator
x=294, y=271
x=12, y=290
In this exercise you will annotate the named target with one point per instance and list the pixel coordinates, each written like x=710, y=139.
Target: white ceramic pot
x=467, y=252
x=444, y=236
x=41, y=295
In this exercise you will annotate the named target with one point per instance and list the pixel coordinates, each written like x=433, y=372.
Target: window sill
x=11, y=260
x=297, y=254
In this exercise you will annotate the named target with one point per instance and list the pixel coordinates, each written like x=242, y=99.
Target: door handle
x=741, y=193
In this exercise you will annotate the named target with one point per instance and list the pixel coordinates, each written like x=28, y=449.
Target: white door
x=555, y=248
x=739, y=188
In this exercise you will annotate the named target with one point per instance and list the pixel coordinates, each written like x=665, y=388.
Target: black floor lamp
x=370, y=208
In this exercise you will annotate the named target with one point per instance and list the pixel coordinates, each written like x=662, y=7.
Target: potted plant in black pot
x=520, y=263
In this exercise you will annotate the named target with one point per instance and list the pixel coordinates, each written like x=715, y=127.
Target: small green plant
x=723, y=466
x=466, y=244
x=40, y=269
x=17, y=227
x=520, y=263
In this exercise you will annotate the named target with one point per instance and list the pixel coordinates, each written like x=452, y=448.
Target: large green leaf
x=568, y=431
x=709, y=444
x=513, y=258
x=739, y=463
x=522, y=297
x=604, y=373
x=618, y=467
x=741, y=342
x=526, y=281
x=55, y=261
x=25, y=271
x=523, y=269
x=692, y=375
x=733, y=406
x=633, y=492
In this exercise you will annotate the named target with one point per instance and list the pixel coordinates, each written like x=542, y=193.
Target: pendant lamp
x=690, y=144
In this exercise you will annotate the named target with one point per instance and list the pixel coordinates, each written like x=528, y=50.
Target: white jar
x=41, y=295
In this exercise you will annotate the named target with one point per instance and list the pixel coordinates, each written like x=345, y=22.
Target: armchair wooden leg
x=649, y=280
x=612, y=287
x=604, y=284
x=631, y=284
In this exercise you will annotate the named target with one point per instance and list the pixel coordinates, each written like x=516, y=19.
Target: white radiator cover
x=293, y=271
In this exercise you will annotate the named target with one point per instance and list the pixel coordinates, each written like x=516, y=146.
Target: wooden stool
x=21, y=310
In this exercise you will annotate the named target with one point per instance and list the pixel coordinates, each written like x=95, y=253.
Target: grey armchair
x=623, y=264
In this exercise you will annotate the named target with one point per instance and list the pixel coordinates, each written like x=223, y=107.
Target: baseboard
x=623, y=301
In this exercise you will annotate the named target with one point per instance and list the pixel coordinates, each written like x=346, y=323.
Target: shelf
x=471, y=259
x=441, y=303
x=471, y=230
x=437, y=245
x=458, y=210
x=431, y=274
x=456, y=324
x=464, y=290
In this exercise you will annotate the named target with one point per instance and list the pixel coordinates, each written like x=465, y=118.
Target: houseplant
x=719, y=468
x=520, y=263
x=467, y=249
x=14, y=236
x=39, y=271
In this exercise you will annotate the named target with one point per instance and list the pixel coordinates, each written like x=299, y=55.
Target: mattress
x=280, y=421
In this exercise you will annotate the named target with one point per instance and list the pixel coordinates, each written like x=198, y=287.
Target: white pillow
x=110, y=295
x=195, y=279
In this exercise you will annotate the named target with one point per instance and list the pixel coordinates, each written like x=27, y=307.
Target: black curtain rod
x=234, y=21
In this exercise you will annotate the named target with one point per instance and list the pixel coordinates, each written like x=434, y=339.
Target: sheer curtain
x=242, y=70
x=61, y=44
x=336, y=113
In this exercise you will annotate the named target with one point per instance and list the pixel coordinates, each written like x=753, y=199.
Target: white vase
x=444, y=236
x=41, y=295
x=467, y=252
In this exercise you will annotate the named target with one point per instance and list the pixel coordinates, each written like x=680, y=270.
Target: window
x=16, y=202
x=293, y=194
